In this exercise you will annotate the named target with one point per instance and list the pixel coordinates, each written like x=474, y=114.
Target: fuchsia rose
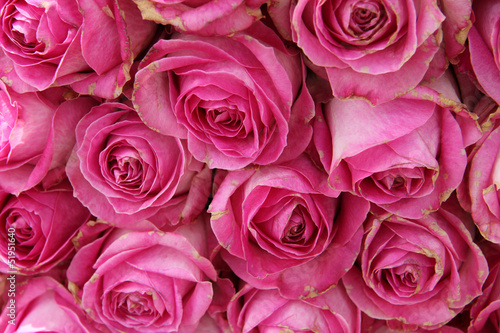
x=483, y=46
x=485, y=311
x=44, y=305
x=277, y=231
x=152, y=281
x=89, y=44
x=237, y=100
x=419, y=272
x=205, y=17
x=36, y=135
x=125, y=172
x=375, y=49
x=420, y=136
x=253, y=310
x=37, y=227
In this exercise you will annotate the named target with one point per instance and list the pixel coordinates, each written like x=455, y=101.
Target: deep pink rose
x=277, y=231
x=485, y=311
x=406, y=155
x=89, y=44
x=36, y=135
x=236, y=100
x=43, y=305
x=152, y=281
x=483, y=46
x=203, y=17
x=480, y=191
x=37, y=227
x=375, y=49
x=371, y=325
x=420, y=272
x=125, y=172
x=253, y=310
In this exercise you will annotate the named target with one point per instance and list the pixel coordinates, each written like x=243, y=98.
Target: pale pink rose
x=203, y=17
x=43, y=305
x=253, y=310
x=483, y=46
x=36, y=135
x=485, y=311
x=149, y=281
x=375, y=49
x=237, y=100
x=37, y=227
x=420, y=273
x=89, y=44
x=125, y=172
x=406, y=155
x=277, y=231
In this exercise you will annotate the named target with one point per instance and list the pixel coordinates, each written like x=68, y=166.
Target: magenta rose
x=236, y=100
x=406, y=155
x=37, y=227
x=89, y=44
x=375, y=49
x=254, y=310
x=420, y=272
x=483, y=46
x=152, y=281
x=37, y=135
x=205, y=17
x=44, y=305
x=277, y=231
x=125, y=172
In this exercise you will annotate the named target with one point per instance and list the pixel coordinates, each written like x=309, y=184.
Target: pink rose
x=480, y=191
x=253, y=310
x=485, y=310
x=277, y=231
x=375, y=49
x=205, y=17
x=236, y=100
x=419, y=272
x=43, y=305
x=152, y=281
x=37, y=135
x=371, y=325
x=483, y=46
x=420, y=136
x=37, y=227
x=89, y=44
x=125, y=172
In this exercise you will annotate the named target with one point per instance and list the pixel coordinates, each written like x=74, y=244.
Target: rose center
x=135, y=304
x=125, y=166
x=294, y=230
x=24, y=21
x=366, y=18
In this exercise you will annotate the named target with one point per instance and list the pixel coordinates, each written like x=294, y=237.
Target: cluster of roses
x=250, y=166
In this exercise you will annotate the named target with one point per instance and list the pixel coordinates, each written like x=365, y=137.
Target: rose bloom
x=485, y=311
x=253, y=310
x=406, y=155
x=36, y=135
x=375, y=49
x=37, y=227
x=125, y=172
x=88, y=44
x=277, y=231
x=483, y=46
x=371, y=325
x=44, y=305
x=236, y=100
x=205, y=17
x=420, y=272
x=153, y=281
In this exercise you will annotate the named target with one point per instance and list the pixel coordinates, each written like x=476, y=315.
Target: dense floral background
x=217, y=166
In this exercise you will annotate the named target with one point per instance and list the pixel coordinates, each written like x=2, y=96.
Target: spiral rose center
x=125, y=166
x=24, y=21
x=366, y=18
x=294, y=231
x=136, y=304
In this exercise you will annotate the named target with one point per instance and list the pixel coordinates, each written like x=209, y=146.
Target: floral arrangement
x=217, y=166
